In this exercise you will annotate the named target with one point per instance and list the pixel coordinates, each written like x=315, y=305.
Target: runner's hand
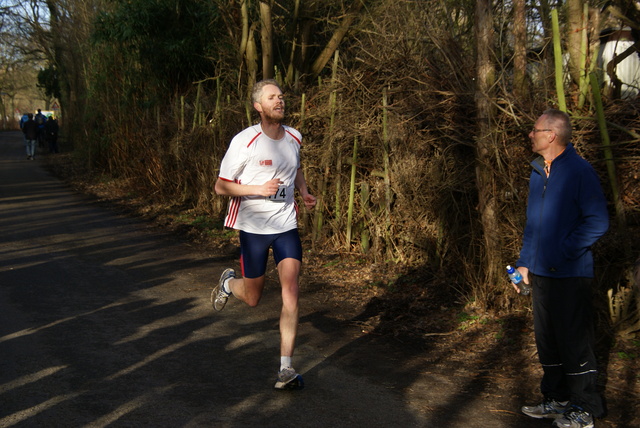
x=309, y=201
x=270, y=187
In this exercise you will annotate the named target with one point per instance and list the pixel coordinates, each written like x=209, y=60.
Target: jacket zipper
x=544, y=189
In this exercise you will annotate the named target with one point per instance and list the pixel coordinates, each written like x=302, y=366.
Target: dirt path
x=106, y=321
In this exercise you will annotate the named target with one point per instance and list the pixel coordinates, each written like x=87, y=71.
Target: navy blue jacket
x=30, y=129
x=566, y=215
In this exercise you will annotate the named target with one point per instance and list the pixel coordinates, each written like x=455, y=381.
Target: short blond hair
x=256, y=93
x=561, y=122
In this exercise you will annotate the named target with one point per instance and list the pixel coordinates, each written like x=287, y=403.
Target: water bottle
x=516, y=277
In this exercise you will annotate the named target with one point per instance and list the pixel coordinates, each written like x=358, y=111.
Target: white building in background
x=615, y=42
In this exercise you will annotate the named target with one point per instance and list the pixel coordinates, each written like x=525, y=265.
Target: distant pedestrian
x=30, y=130
x=40, y=120
x=23, y=120
x=51, y=131
x=566, y=215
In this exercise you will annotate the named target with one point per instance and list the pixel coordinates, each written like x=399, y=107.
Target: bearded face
x=271, y=105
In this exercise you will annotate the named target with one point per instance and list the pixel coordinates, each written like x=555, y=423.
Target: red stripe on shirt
x=254, y=139
x=294, y=137
x=232, y=216
x=234, y=208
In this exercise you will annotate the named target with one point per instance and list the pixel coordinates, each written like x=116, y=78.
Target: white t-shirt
x=253, y=159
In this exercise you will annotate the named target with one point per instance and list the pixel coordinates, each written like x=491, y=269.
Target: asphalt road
x=106, y=321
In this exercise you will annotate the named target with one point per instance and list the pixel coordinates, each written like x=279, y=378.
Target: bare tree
x=574, y=37
x=266, y=38
x=520, y=49
x=337, y=37
x=485, y=79
x=71, y=25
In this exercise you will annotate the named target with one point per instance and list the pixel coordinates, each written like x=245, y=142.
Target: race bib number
x=280, y=195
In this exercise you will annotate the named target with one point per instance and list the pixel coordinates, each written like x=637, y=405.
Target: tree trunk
x=574, y=38
x=337, y=37
x=520, y=49
x=70, y=28
x=290, y=76
x=244, y=13
x=306, y=29
x=544, y=11
x=251, y=59
x=266, y=32
x=485, y=150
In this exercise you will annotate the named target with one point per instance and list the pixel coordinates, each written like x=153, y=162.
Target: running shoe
x=549, y=408
x=575, y=417
x=289, y=379
x=219, y=297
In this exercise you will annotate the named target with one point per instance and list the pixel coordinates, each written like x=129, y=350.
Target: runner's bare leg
x=249, y=290
x=289, y=271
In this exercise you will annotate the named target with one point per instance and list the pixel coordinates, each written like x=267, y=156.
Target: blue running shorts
x=254, y=250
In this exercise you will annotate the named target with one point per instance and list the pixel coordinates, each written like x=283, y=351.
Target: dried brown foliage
x=431, y=222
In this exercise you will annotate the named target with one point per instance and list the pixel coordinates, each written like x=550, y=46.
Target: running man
x=260, y=172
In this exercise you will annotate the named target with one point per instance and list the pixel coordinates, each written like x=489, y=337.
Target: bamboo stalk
x=305, y=224
x=332, y=102
x=247, y=109
x=606, y=147
x=338, y=195
x=218, y=114
x=302, y=107
x=277, y=75
x=621, y=295
x=289, y=76
x=334, y=68
x=385, y=159
x=352, y=191
x=557, y=56
x=182, y=112
x=196, y=110
x=332, y=121
x=218, y=95
x=365, y=238
x=319, y=217
x=584, y=73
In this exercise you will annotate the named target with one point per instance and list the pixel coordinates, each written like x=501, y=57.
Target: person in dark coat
x=566, y=214
x=23, y=120
x=30, y=130
x=40, y=120
x=51, y=131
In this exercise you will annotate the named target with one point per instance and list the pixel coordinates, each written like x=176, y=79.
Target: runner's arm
x=233, y=189
x=301, y=185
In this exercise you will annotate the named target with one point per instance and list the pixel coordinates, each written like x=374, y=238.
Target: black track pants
x=563, y=323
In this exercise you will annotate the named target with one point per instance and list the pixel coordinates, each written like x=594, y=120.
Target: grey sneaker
x=549, y=408
x=219, y=297
x=289, y=379
x=574, y=418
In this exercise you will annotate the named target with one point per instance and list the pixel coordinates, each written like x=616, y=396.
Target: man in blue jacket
x=566, y=215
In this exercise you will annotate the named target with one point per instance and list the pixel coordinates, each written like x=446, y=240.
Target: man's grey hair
x=256, y=93
x=560, y=122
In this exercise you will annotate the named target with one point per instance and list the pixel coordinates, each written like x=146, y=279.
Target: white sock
x=225, y=286
x=285, y=362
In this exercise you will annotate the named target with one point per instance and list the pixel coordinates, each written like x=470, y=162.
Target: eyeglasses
x=534, y=130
